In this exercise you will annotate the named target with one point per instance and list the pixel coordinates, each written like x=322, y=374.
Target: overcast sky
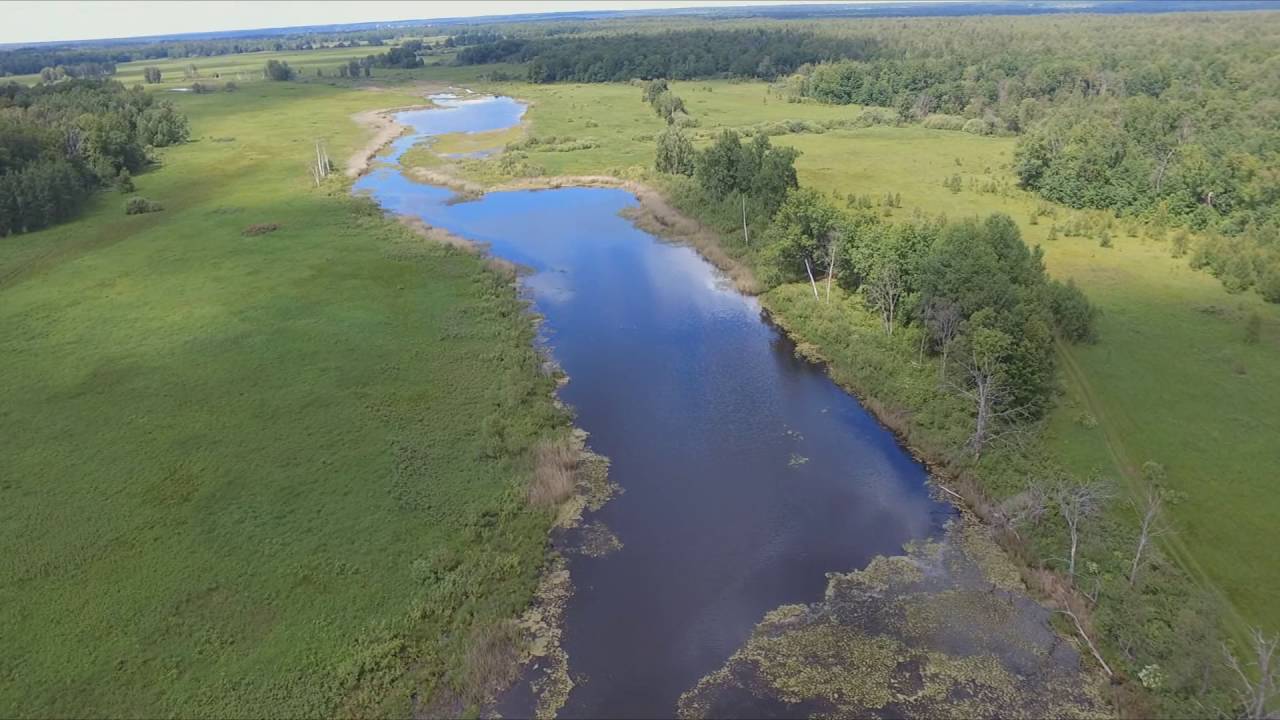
x=42, y=21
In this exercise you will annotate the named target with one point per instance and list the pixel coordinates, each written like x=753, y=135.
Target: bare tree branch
x=1260, y=687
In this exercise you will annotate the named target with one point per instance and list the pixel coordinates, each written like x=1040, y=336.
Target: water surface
x=746, y=473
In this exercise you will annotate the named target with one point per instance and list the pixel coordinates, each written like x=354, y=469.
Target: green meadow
x=251, y=472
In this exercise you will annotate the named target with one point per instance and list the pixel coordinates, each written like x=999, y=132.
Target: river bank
x=650, y=212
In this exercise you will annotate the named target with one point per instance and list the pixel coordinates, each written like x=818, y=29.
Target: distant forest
x=1173, y=119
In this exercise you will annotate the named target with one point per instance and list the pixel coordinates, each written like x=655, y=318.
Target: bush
x=938, y=121
x=1073, y=314
x=277, y=70
x=1253, y=328
x=1269, y=282
x=140, y=206
x=124, y=183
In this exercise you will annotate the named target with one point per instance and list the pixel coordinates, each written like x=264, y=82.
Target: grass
x=1172, y=380
x=278, y=473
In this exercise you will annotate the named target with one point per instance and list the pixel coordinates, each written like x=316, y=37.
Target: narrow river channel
x=746, y=474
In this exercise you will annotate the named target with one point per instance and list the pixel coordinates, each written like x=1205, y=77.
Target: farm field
x=1208, y=417
x=245, y=467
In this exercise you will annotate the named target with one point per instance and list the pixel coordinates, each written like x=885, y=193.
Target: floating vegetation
x=546, y=662
x=543, y=625
x=797, y=460
x=597, y=540
x=944, y=630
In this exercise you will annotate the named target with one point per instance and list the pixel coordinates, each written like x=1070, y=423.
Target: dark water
x=746, y=473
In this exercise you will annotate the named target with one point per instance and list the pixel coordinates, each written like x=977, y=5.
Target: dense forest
x=761, y=53
x=1175, y=121
x=60, y=142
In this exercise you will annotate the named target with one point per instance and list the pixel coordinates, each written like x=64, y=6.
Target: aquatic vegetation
x=940, y=631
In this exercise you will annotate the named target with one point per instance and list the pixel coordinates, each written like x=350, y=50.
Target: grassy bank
x=276, y=473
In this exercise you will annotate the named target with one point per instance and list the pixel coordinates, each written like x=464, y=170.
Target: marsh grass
x=278, y=477
x=554, y=472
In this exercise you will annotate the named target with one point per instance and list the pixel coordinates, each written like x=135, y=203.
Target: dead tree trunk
x=812, y=282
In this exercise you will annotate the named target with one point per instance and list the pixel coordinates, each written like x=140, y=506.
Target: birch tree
x=1259, y=686
x=984, y=383
x=1077, y=503
x=884, y=289
x=1152, y=524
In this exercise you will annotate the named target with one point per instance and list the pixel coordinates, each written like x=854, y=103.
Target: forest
x=58, y=143
x=1176, y=123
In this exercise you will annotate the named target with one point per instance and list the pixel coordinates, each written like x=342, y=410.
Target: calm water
x=746, y=473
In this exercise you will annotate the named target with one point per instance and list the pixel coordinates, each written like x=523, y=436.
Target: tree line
x=58, y=143
x=1173, y=120
x=677, y=55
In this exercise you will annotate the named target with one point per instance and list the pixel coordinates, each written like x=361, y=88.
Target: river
x=746, y=474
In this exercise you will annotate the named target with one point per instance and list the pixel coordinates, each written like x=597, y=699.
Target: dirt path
x=1131, y=475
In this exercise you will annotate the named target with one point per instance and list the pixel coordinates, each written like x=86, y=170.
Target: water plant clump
x=940, y=631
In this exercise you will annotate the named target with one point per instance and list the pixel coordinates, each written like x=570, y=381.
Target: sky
x=25, y=21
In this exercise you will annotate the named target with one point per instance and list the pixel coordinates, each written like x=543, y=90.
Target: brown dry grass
x=492, y=662
x=554, y=472
x=259, y=229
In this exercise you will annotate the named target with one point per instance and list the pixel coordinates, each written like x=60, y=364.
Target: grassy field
x=275, y=474
x=1172, y=380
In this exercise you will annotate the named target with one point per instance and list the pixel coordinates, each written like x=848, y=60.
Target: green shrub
x=139, y=206
x=939, y=121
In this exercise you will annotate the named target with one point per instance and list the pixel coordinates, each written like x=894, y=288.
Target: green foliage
x=1074, y=317
x=277, y=70
x=141, y=206
x=57, y=143
x=802, y=229
x=152, y=75
x=675, y=153
x=760, y=171
x=681, y=55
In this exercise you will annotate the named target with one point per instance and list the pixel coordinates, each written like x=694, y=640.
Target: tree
x=191, y=72
x=800, y=230
x=653, y=89
x=942, y=320
x=1260, y=687
x=775, y=173
x=1150, y=527
x=278, y=70
x=1076, y=503
x=151, y=74
x=884, y=289
x=675, y=154
x=1073, y=315
x=986, y=383
x=717, y=167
